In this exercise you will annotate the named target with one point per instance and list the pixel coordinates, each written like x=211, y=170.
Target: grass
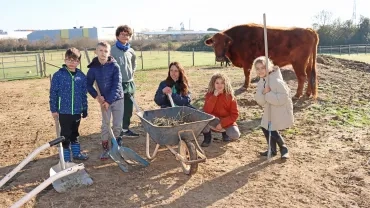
x=23, y=66
x=342, y=115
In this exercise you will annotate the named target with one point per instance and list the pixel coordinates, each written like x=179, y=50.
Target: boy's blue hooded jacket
x=108, y=77
x=68, y=93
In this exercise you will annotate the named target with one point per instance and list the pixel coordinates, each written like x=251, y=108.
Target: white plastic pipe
x=24, y=163
x=46, y=183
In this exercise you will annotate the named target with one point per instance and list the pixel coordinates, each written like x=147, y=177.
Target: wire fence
x=47, y=62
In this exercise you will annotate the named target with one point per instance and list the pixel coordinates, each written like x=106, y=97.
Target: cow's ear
x=208, y=42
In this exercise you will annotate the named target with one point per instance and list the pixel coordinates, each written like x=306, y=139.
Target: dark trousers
x=276, y=139
x=274, y=134
x=69, y=125
x=128, y=108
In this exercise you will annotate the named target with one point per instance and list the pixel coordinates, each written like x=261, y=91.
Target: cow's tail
x=313, y=78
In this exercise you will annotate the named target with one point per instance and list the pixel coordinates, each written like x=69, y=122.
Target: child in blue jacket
x=106, y=72
x=68, y=100
x=176, y=84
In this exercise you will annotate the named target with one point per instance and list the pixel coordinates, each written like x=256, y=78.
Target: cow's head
x=220, y=43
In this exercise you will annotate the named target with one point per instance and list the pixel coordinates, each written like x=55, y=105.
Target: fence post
x=2, y=63
x=37, y=65
x=193, y=57
x=40, y=63
x=365, y=49
x=142, y=60
x=349, y=49
x=44, y=58
x=340, y=50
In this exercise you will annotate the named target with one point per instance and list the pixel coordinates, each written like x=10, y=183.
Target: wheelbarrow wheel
x=188, y=151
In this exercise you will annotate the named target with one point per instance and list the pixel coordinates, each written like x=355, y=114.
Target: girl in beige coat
x=276, y=94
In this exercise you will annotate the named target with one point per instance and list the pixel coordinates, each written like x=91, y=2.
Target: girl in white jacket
x=277, y=95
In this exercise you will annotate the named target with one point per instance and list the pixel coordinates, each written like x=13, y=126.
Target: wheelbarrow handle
x=135, y=103
x=29, y=158
x=46, y=183
x=57, y=141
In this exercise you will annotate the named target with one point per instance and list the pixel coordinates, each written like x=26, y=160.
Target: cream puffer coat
x=279, y=99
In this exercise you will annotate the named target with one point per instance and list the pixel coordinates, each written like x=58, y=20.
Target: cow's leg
x=299, y=70
x=309, y=84
x=247, y=80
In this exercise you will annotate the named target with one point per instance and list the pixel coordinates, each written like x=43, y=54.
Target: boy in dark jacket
x=68, y=100
x=106, y=72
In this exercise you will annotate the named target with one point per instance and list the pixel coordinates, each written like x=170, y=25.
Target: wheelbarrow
x=188, y=154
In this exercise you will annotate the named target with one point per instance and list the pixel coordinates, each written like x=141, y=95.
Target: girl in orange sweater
x=221, y=102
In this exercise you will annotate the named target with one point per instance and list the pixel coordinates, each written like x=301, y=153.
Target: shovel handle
x=171, y=100
x=57, y=141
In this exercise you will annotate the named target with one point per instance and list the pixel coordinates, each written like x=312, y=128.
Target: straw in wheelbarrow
x=78, y=179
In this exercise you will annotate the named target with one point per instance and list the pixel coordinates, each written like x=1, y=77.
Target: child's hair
x=123, y=28
x=103, y=43
x=228, y=88
x=262, y=60
x=73, y=53
x=183, y=80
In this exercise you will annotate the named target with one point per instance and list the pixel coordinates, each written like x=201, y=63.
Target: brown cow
x=295, y=46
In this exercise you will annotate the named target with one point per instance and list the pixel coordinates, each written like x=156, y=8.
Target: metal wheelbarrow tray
x=182, y=135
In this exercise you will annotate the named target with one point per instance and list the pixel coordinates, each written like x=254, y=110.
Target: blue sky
x=160, y=14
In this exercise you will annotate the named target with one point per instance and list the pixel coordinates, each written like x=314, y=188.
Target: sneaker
x=104, y=155
x=129, y=133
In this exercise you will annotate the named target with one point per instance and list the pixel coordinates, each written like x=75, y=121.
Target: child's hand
x=218, y=127
x=216, y=92
x=100, y=99
x=55, y=114
x=105, y=105
x=167, y=90
x=266, y=90
x=84, y=114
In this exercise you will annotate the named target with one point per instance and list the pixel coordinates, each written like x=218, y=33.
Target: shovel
x=118, y=152
x=78, y=179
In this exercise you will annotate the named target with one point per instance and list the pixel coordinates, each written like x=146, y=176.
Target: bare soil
x=329, y=147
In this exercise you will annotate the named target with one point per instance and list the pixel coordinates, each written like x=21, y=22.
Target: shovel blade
x=116, y=157
x=75, y=180
x=129, y=154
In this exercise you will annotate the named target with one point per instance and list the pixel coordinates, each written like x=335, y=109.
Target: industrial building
x=103, y=33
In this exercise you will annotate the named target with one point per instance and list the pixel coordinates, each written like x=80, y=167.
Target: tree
x=212, y=29
x=322, y=18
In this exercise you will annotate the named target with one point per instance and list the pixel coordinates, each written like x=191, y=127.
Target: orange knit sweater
x=222, y=107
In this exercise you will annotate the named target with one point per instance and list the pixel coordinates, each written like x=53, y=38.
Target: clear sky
x=160, y=14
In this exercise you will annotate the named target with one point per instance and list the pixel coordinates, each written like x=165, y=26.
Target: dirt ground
x=329, y=147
